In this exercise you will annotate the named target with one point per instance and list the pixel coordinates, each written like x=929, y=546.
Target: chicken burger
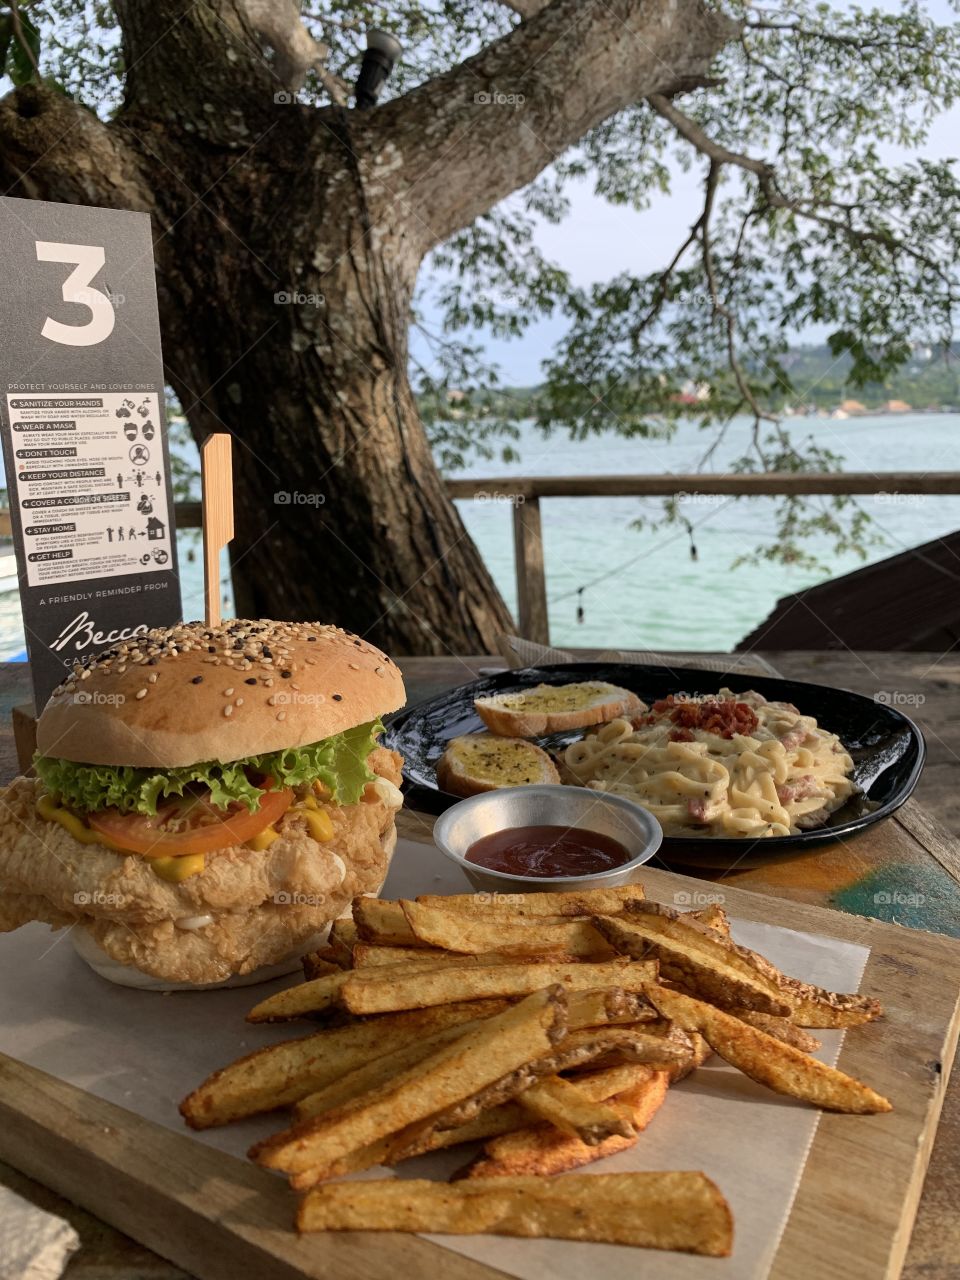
x=207, y=800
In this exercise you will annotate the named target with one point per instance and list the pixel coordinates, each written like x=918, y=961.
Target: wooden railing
x=523, y=494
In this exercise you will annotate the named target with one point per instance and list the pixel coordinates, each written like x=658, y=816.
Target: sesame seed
x=252, y=680
x=285, y=675
x=228, y=693
x=281, y=715
x=238, y=703
x=337, y=697
x=141, y=693
x=196, y=680
x=228, y=710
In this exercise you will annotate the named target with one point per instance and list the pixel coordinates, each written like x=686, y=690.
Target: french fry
x=606, y=1046
x=313, y=997
x=607, y=1007
x=811, y=1006
x=817, y=1008
x=770, y=1062
x=343, y=936
x=780, y=1028
x=317, y=964
x=711, y=917
x=545, y=1150
x=696, y=963
x=498, y=1047
x=682, y=1211
x=585, y=902
x=439, y=927
x=597, y=1086
x=372, y=992
x=377, y=1072
x=563, y=1105
x=280, y=1074
x=384, y=923
x=367, y=955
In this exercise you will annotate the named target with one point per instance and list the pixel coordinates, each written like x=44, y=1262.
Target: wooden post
x=216, y=472
x=531, y=579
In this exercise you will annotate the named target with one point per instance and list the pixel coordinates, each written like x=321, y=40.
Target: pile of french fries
x=549, y=1030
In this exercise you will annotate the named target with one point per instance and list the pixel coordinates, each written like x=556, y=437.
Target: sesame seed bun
x=191, y=693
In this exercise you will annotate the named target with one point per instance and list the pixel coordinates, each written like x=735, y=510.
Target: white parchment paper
x=145, y=1051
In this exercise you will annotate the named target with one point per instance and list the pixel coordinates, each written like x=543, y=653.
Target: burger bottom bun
x=123, y=975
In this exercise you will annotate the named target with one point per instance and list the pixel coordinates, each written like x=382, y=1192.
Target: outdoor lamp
x=381, y=53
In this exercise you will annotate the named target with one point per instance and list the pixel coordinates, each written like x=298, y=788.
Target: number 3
x=88, y=259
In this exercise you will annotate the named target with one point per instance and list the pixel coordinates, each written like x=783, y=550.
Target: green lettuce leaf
x=340, y=762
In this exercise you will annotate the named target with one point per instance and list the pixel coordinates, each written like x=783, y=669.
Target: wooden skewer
x=216, y=482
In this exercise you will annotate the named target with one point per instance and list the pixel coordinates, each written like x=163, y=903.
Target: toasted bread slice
x=550, y=708
x=483, y=762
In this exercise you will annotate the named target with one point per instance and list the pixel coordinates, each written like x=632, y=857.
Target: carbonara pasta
x=731, y=765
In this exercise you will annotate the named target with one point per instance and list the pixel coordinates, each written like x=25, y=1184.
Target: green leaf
x=339, y=762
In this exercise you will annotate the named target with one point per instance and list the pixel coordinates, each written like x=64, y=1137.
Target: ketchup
x=548, y=851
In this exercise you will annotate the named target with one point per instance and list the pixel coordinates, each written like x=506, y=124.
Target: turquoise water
x=659, y=597
x=664, y=599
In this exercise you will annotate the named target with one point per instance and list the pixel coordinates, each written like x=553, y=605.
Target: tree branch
x=491, y=124
x=51, y=148
x=689, y=129
x=278, y=23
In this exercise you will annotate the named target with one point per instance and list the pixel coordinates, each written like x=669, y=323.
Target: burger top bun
x=191, y=693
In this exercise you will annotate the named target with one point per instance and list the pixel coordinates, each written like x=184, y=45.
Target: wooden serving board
x=219, y=1217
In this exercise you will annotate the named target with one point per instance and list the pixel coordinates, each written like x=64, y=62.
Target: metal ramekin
x=551, y=805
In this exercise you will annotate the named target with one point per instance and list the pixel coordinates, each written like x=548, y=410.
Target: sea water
x=643, y=589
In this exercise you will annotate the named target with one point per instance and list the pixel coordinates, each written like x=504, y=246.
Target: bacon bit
x=722, y=716
x=697, y=810
x=803, y=787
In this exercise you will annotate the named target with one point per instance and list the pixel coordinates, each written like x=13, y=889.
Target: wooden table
x=914, y=853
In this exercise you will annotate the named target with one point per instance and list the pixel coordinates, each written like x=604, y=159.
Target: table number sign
x=84, y=431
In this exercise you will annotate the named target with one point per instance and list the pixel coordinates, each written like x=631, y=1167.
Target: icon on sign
x=161, y=556
x=155, y=529
x=149, y=430
x=143, y=408
x=145, y=558
x=126, y=406
x=145, y=506
x=130, y=430
x=139, y=455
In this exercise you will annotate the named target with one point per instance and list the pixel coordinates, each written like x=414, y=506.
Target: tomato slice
x=189, y=824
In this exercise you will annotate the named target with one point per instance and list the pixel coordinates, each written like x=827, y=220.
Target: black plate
x=888, y=749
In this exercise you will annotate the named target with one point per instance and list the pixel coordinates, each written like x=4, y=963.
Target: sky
x=598, y=240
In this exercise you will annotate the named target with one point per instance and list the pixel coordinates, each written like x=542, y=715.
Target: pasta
x=731, y=765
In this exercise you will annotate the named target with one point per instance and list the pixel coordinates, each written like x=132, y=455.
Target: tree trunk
x=340, y=510
x=288, y=241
